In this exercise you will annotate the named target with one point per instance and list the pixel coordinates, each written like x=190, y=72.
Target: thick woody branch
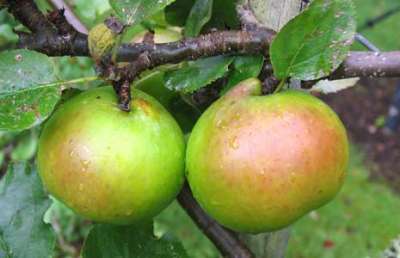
x=30, y=16
x=51, y=35
x=212, y=44
x=364, y=64
x=61, y=40
x=55, y=44
x=369, y=64
x=147, y=56
x=359, y=64
x=58, y=43
x=225, y=240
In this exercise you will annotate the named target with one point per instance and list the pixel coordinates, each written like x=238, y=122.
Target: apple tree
x=206, y=101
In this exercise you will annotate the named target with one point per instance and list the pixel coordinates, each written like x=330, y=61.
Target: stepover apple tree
x=196, y=50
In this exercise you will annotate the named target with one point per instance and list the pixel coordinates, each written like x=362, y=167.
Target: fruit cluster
x=254, y=163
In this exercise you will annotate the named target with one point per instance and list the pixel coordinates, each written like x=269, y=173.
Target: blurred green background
x=359, y=223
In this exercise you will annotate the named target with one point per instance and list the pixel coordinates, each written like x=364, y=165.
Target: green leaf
x=26, y=97
x=91, y=12
x=105, y=241
x=26, y=145
x=3, y=249
x=199, y=15
x=23, y=203
x=133, y=12
x=22, y=69
x=224, y=15
x=244, y=67
x=176, y=14
x=316, y=42
x=6, y=138
x=7, y=35
x=27, y=108
x=197, y=74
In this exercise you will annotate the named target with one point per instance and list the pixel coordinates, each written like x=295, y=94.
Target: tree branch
x=54, y=44
x=369, y=64
x=30, y=16
x=385, y=64
x=225, y=240
x=60, y=43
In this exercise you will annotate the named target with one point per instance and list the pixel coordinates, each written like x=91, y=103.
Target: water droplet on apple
x=233, y=143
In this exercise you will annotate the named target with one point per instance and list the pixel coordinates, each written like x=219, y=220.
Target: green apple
x=258, y=163
x=108, y=165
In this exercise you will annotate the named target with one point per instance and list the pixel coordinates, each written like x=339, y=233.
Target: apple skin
x=258, y=163
x=108, y=165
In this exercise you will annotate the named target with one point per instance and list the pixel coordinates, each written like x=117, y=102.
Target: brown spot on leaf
x=18, y=58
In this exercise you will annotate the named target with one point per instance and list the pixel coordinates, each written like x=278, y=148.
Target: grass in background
x=359, y=223
x=385, y=35
x=178, y=224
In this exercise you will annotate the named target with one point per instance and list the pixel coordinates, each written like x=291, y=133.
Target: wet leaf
x=133, y=12
x=27, y=108
x=25, y=100
x=177, y=13
x=105, y=241
x=22, y=69
x=25, y=145
x=29, y=89
x=23, y=203
x=197, y=74
x=316, y=42
x=199, y=15
x=223, y=13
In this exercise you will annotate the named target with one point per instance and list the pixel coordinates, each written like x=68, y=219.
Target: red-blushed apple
x=108, y=165
x=258, y=163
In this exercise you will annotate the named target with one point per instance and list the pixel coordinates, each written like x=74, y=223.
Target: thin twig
x=225, y=240
x=371, y=23
x=46, y=37
x=366, y=43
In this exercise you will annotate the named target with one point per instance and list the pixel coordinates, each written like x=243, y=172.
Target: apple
x=258, y=163
x=108, y=165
